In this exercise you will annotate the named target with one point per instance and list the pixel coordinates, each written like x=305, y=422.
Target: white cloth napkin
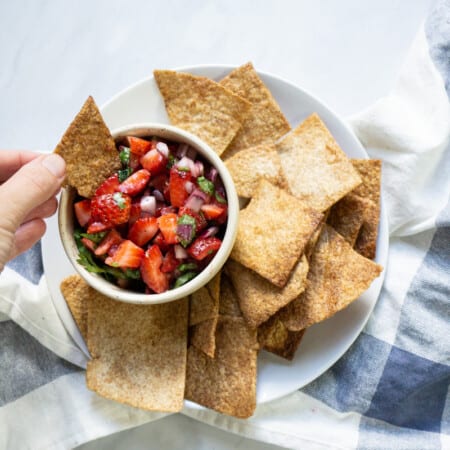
x=409, y=130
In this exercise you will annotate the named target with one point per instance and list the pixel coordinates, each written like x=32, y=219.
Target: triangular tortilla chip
x=370, y=172
x=248, y=166
x=77, y=293
x=203, y=336
x=259, y=299
x=337, y=276
x=317, y=170
x=265, y=122
x=139, y=353
x=226, y=383
x=202, y=106
x=275, y=338
x=347, y=216
x=272, y=233
x=88, y=150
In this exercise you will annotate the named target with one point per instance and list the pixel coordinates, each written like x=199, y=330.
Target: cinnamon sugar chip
x=226, y=383
x=248, y=166
x=138, y=353
x=272, y=233
x=337, y=276
x=202, y=106
x=89, y=150
x=265, y=122
x=274, y=337
x=259, y=299
x=318, y=172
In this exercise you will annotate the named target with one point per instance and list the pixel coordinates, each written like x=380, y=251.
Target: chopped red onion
x=212, y=174
x=189, y=186
x=163, y=149
x=198, y=169
x=194, y=201
x=185, y=232
x=209, y=232
x=182, y=149
x=180, y=252
x=191, y=153
x=159, y=195
x=148, y=204
x=185, y=163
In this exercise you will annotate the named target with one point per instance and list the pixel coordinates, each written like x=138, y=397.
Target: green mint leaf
x=171, y=161
x=124, y=156
x=94, y=237
x=187, y=266
x=205, y=185
x=219, y=198
x=184, y=278
x=124, y=174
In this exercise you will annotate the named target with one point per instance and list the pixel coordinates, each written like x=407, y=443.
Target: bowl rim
x=66, y=221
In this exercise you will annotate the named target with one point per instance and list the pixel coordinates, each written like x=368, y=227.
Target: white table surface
x=55, y=53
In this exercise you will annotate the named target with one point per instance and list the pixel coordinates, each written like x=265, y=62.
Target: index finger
x=12, y=160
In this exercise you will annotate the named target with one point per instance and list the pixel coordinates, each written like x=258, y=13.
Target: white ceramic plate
x=324, y=343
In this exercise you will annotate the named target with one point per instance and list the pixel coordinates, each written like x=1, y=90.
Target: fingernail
x=55, y=164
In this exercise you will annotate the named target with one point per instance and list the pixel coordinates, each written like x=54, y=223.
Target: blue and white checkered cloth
x=389, y=391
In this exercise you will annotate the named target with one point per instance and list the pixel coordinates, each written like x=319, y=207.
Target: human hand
x=29, y=183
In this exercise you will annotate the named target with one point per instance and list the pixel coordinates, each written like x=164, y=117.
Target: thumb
x=31, y=185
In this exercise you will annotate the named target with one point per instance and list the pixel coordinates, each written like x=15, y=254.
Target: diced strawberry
x=127, y=256
x=168, y=226
x=160, y=242
x=112, y=238
x=203, y=247
x=135, y=183
x=111, y=209
x=143, y=230
x=90, y=245
x=160, y=182
x=170, y=263
x=135, y=211
x=200, y=221
x=177, y=186
x=138, y=146
x=213, y=210
x=134, y=161
x=154, y=161
x=151, y=272
x=83, y=211
x=97, y=227
x=109, y=186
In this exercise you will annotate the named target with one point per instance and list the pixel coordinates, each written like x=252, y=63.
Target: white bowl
x=66, y=221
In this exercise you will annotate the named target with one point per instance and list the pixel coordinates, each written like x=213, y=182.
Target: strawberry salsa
x=156, y=223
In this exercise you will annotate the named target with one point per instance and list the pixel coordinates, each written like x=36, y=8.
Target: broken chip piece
x=370, y=172
x=347, y=216
x=89, y=150
x=274, y=337
x=76, y=293
x=202, y=106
